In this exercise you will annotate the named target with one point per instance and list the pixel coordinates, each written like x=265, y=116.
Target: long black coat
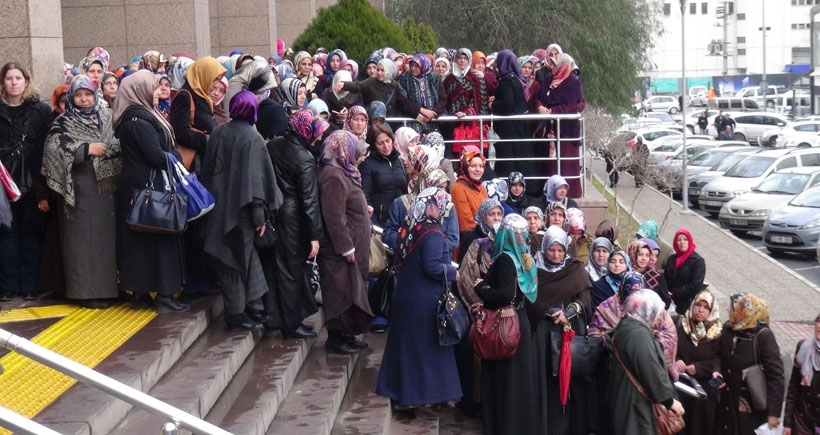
x=802, y=412
x=509, y=100
x=147, y=262
x=700, y=414
x=298, y=222
x=686, y=281
x=180, y=118
x=32, y=124
x=383, y=180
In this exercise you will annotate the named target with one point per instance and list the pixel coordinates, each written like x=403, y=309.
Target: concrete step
x=140, y=363
x=311, y=406
x=422, y=424
x=363, y=411
x=258, y=389
x=197, y=380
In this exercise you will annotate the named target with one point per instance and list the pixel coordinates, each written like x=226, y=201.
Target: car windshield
x=728, y=162
x=784, y=184
x=809, y=198
x=664, y=117
x=709, y=159
x=750, y=167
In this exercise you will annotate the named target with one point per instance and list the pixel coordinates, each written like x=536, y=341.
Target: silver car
x=701, y=177
x=795, y=227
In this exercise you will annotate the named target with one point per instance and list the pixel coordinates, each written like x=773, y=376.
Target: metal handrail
x=98, y=380
x=21, y=425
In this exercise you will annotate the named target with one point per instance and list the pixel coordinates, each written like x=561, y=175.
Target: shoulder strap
x=628, y=373
x=192, y=109
x=754, y=344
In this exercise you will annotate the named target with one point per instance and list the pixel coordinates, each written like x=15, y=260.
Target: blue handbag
x=200, y=201
x=158, y=211
x=452, y=319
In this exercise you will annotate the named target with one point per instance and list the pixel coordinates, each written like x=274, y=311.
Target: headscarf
x=747, y=312
x=447, y=62
x=152, y=60
x=466, y=158
x=476, y=56
x=575, y=220
x=374, y=58
x=432, y=177
x=709, y=329
x=318, y=106
x=244, y=107
x=490, y=61
x=646, y=306
x=595, y=271
x=614, y=279
x=631, y=282
x=633, y=249
x=512, y=179
x=138, y=90
x=423, y=62
x=376, y=110
x=540, y=55
x=682, y=256
x=648, y=229
x=310, y=80
x=86, y=63
x=201, y=74
x=522, y=60
x=55, y=97
x=552, y=184
x=507, y=64
x=405, y=135
x=389, y=70
x=435, y=141
x=306, y=126
x=177, y=71
x=441, y=52
x=607, y=229
x=808, y=357
x=511, y=239
x=102, y=55
x=496, y=188
x=355, y=111
x=340, y=151
x=563, y=70
x=164, y=105
x=82, y=81
x=537, y=210
x=329, y=72
x=555, y=205
x=424, y=216
x=341, y=76
x=552, y=236
x=458, y=72
x=481, y=215
x=289, y=90
x=422, y=157
x=285, y=71
x=548, y=62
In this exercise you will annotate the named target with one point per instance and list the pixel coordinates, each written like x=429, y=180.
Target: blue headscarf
x=512, y=239
x=552, y=185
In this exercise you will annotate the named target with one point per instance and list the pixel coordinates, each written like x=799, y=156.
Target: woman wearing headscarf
x=535, y=222
x=468, y=191
x=424, y=88
x=356, y=122
x=508, y=388
x=608, y=229
x=81, y=164
x=638, y=351
x=298, y=226
x=563, y=301
x=350, y=66
x=339, y=102
x=293, y=95
x=164, y=96
x=333, y=64
x=801, y=416
x=370, y=65
x=517, y=197
x=556, y=189
x=147, y=262
x=487, y=218
x=556, y=215
x=581, y=240
x=464, y=88
x=239, y=174
x=698, y=333
x=441, y=66
x=415, y=369
x=377, y=112
x=178, y=69
x=383, y=175
x=684, y=271
x=153, y=61
x=617, y=266
x=254, y=76
x=747, y=332
x=531, y=86
x=640, y=255
x=344, y=248
x=110, y=84
x=273, y=118
x=598, y=264
x=648, y=229
x=303, y=64
x=479, y=64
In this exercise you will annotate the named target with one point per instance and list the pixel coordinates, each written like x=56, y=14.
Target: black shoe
x=355, y=342
x=308, y=327
x=96, y=304
x=241, y=322
x=258, y=316
x=141, y=301
x=341, y=347
x=169, y=304
x=299, y=332
x=378, y=329
x=30, y=298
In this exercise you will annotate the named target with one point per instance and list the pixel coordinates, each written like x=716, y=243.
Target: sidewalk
x=732, y=266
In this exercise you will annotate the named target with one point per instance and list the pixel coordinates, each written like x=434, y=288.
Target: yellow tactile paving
x=85, y=336
x=33, y=313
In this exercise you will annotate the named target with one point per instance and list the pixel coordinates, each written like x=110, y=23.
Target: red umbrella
x=565, y=366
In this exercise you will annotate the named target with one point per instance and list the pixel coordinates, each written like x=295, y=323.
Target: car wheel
x=770, y=104
x=739, y=233
x=673, y=110
x=772, y=142
x=739, y=137
x=804, y=145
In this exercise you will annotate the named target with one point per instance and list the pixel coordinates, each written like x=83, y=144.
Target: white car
x=664, y=119
x=698, y=96
x=798, y=134
x=662, y=103
x=750, y=125
x=674, y=148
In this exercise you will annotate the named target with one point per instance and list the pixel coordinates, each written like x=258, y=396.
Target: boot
x=336, y=343
x=240, y=322
x=169, y=304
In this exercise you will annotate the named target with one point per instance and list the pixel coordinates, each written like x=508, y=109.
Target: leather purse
x=495, y=334
x=451, y=317
x=668, y=422
x=158, y=212
x=267, y=240
x=585, y=350
x=200, y=201
x=755, y=378
x=381, y=294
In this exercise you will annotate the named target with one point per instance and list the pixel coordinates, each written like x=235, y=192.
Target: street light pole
x=685, y=189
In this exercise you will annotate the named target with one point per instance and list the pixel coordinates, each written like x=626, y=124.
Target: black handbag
x=158, y=212
x=452, y=318
x=381, y=293
x=267, y=240
x=585, y=350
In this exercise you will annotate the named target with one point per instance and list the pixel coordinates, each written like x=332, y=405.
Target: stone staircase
x=245, y=384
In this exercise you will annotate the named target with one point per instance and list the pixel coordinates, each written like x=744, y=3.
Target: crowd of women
x=301, y=163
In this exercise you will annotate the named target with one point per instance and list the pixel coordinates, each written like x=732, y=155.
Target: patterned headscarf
x=481, y=215
x=441, y=52
x=709, y=329
x=808, y=357
x=306, y=126
x=389, y=70
x=60, y=91
x=405, y=135
x=202, y=73
x=575, y=220
x=466, y=158
x=318, y=106
x=374, y=58
x=563, y=70
x=633, y=249
x=496, y=188
x=82, y=82
x=595, y=271
x=340, y=151
x=423, y=62
x=631, y=282
x=648, y=229
x=422, y=157
x=522, y=60
x=747, y=312
x=512, y=239
x=152, y=60
x=458, y=72
x=244, y=107
x=423, y=217
x=376, y=110
x=540, y=55
x=289, y=90
x=432, y=177
x=534, y=209
x=285, y=71
x=646, y=306
x=86, y=63
x=508, y=65
x=352, y=64
x=435, y=141
x=552, y=184
x=552, y=236
x=356, y=111
x=680, y=255
x=178, y=71
x=551, y=207
x=102, y=55
x=614, y=279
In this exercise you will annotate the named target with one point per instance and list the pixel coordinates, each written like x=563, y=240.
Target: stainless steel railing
x=177, y=417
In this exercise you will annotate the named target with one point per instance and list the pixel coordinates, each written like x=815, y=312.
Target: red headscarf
x=466, y=158
x=682, y=256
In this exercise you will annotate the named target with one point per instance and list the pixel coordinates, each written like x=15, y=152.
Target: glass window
x=741, y=17
x=693, y=8
x=788, y=162
x=741, y=39
x=667, y=9
x=741, y=51
x=812, y=159
x=805, y=127
x=704, y=8
x=751, y=167
x=791, y=184
x=809, y=198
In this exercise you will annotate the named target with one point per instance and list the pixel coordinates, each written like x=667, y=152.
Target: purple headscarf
x=424, y=64
x=244, y=106
x=340, y=151
x=305, y=125
x=507, y=63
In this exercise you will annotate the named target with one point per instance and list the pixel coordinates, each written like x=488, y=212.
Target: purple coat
x=568, y=97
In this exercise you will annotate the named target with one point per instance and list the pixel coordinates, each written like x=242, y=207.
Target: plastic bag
x=764, y=429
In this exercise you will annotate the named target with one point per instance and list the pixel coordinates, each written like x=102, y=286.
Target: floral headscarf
x=466, y=158
x=646, y=306
x=552, y=236
x=575, y=220
x=633, y=249
x=389, y=70
x=356, y=111
x=631, y=282
x=289, y=89
x=596, y=272
x=808, y=357
x=102, y=55
x=432, y=177
x=537, y=211
x=353, y=66
x=244, y=107
x=551, y=207
x=481, y=215
x=152, y=60
x=496, y=188
x=648, y=229
x=522, y=60
x=340, y=151
x=307, y=126
x=747, y=312
x=563, y=70
x=82, y=81
x=680, y=255
x=405, y=135
x=86, y=63
x=422, y=157
x=285, y=71
x=512, y=239
x=423, y=62
x=709, y=329
x=435, y=141
x=424, y=216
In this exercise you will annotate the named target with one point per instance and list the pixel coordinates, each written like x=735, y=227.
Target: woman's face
x=527, y=69
x=334, y=62
x=476, y=169
x=517, y=189
x=481, y=65
x=653, y=259
x=553, y=54
x=349, y=68
x=600, y=255
x=561, y=192
x=305, y=66
x=441, y=68
x=493, y=216
x=164, y=89
x=399, y=62
x=358, y=124
x=371, y=70
x=301, y=96
x=682, y=243
x=557, y=217
x=61, y=103
x=110, y=87
x=617, y=264
x=533, y=222
x=216, y=91
x=462, y=61
x=83, y=98
x=556, y=253
x=95, y=73
x=156, y=96
x=700, y=311
x=643, y=258
x=380, y=73
x=14, y=83
x=384, y=144
x=576, y=234
x=415, y=69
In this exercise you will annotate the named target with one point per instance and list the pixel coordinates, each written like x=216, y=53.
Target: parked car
x=789, y=105
x=749, y=172
x=663, y=118
x=749, y=126
x=796, y=226
x=698, y=96
x=754, y=92
x=747, y=212
x=672, y=149
x=699, y=178
x=799, y=134
x=662, y=103
x=734, y=104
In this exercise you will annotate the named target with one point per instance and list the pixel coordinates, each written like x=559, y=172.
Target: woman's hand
x=314, y=249
x=543, y=110
x=261, y=230
x=718, y=375
x=477, y=282
x=43, y=206
x=351, y=257
x=460, y=115
x=561, y=319
x=97, y=149
x=677, y=408
x=476, y=307
x=774, y=422
x=339, y=87
x=690, y=370
x=680, y=365
x=427, y=113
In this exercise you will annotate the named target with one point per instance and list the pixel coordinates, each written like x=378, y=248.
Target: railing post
x=170, y=429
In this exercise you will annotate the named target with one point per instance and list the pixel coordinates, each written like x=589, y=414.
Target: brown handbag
x=187, y=153
x=667, y=421
x=495, y=333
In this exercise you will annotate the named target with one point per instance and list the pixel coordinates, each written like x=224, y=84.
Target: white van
x=698, y=96
x=787, y=104
x=754, y=93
